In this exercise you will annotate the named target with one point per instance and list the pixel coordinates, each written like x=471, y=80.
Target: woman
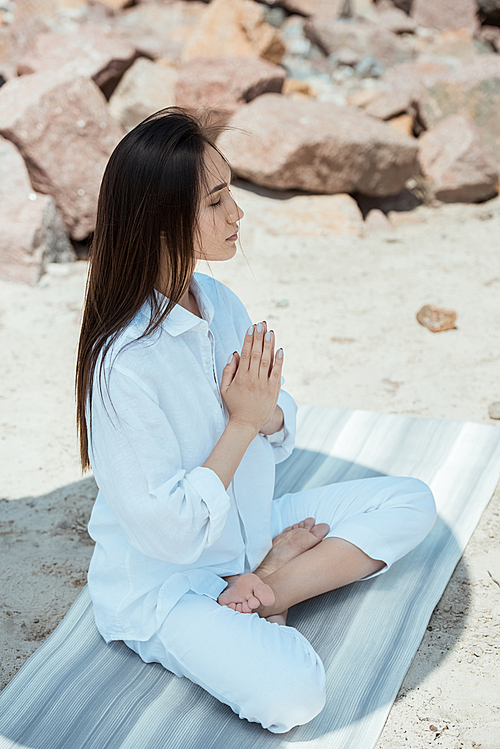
x=182, y=419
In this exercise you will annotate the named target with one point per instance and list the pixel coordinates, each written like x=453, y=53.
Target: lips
x=233, y=236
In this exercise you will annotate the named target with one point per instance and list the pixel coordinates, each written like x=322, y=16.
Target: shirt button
x=207, y=361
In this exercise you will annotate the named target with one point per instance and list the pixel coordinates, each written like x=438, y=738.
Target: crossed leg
x=387, y=516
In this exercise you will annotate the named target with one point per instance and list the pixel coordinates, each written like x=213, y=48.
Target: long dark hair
x=147, y=215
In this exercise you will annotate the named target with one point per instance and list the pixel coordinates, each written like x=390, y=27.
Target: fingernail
x=230, y=359
x=259, y=327
x=280, y=353
x=268, y=336
x=250, y=330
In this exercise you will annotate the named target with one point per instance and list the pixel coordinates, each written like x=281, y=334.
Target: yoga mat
x=76, y=692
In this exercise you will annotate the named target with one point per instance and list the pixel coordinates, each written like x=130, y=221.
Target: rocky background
x=380, y=105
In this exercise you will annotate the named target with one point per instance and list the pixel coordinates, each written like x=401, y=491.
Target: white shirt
x=164, y=524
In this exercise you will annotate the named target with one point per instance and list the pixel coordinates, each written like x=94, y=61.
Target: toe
x=320, y=530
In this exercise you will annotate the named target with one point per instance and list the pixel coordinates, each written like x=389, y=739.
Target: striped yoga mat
x=76, y=692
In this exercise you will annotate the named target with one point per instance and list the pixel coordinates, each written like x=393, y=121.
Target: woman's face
x=218, y=213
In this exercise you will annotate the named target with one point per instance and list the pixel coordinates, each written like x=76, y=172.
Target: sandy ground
x=343, y=308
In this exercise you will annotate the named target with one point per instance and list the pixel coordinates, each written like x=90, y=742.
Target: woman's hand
x=251, y=381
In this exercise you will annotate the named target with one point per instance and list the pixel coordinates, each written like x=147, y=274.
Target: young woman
x=182, y=418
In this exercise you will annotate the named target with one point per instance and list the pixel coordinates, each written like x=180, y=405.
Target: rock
x=33, y=232
x=461, y=44
x=403, y=124
x=364, y=98
x=489, y=11
x=491, y=35
x=47, y=9
x=332, y=8
x=376, y=221
x=404, y=5
x=472, y=90
x=317, y=147
x=436, y=318
x=295, y=87
x=452, y=157
x=145, y=88
x=159, y=31
x=116, y=4
x=445, y=14
x=224, y=83
x=305, y=215
x=65, y=134
x=404, y=86
x=88, y=51
x=235, y=28
x=494, y=410
x=364, y=9
x=395, y=20
x=363, y=38
x=16, y=39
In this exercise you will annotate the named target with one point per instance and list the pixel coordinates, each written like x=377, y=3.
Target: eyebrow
x=220, y=187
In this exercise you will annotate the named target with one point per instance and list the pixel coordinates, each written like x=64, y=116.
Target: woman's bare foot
x=293, y=541
x=247, y=593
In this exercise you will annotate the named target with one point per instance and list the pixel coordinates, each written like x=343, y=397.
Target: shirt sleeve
x=165, y=512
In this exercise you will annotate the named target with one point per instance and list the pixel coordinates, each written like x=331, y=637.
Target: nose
x=234, y=213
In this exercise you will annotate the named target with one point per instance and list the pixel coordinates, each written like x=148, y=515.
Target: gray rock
x=494, y=410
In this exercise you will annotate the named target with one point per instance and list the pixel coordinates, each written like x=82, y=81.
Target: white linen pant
x=266, y=672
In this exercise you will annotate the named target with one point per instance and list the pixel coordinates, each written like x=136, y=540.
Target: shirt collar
x=180, y=319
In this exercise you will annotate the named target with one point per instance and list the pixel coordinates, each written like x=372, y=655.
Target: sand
x=343, y=308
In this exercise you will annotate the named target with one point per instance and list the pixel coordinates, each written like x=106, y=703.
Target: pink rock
x=145, y=88
x=65, y=134
x=395, y=20
x=224, y=83
x=318, y=147
x=33, y=232
x=361, y=37
x=445, y=14
x=436, y=319
x=453, y=158
x=88, y=51
x=16, y=39
x=159, y=31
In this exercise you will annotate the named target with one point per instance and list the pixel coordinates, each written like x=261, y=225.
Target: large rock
x=403, y=87
x=89, y=51
x=235, y=27
x=65, y=133
x=160, y=31
x=396, y=20
x=453, y=158
x=317, y=147
x=224, y=83
x=472, y=90
x=445, y=14
x=360, y=37
x=145, y=88
x=15, y=39
x=33, y=232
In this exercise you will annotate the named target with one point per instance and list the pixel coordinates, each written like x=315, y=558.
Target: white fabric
x=163, y=524
x=268, y=673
